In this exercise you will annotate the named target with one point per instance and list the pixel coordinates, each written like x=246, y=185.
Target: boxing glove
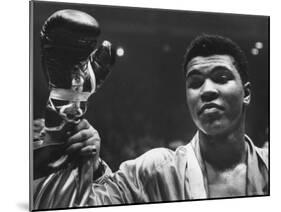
x=71, y=61
x=74, y=68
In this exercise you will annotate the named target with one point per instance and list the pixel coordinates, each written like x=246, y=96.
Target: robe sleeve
x=137, y=181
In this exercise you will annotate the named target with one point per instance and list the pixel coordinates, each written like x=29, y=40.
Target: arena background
x=142, y=103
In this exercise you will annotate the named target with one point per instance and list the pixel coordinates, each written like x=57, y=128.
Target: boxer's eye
x=195, y=81
x=221, y=75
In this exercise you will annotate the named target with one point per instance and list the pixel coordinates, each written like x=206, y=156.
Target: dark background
x=142, y=103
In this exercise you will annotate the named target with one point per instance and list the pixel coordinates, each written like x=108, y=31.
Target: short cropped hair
x=207, y=45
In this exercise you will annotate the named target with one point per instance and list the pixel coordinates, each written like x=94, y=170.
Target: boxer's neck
x=224, y=151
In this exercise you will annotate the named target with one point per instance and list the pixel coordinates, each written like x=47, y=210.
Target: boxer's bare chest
x=228, y=183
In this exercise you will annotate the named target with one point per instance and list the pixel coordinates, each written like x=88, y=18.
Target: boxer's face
x=215, y=93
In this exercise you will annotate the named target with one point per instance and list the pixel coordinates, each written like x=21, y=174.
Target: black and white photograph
x=134, y=105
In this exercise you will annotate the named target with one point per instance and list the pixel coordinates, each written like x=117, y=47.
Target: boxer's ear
x=247, y=93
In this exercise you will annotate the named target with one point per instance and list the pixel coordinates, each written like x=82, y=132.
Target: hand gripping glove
x=74, y=68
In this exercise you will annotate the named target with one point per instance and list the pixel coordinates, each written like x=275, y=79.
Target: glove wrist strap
x=69, y=95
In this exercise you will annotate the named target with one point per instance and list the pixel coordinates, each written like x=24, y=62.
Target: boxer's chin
x=216, y=126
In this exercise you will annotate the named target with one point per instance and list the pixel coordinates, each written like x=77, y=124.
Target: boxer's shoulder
x=151, y=162
x=158, y=157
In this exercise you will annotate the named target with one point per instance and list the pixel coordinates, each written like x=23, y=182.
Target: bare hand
x=85, y=141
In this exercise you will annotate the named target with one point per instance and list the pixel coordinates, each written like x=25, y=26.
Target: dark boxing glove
x=68, y=37
x=75, y=68
x=101, y=61
x=70, y=58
